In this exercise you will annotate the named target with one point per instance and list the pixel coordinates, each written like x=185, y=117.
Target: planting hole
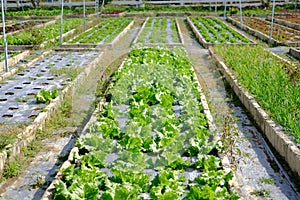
x=37, y=88
x=26, y=83
x=31, y=94
x=43, y=70
x=9, y=93
x=32, y=117
x=13, y=108
x=7, y=116
x=45, y=83
x=2, y=99
x=50, y=79
x=18, y=88
x=21, y=74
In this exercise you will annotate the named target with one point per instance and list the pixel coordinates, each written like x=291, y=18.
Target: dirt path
x=257, y=174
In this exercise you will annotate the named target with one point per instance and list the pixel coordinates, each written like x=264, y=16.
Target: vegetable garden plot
x=12, y=27
x=156, y=31
x=39, y=35
x=150, y=140
x=211, y=31
x=261, y=28
x=105, y=33
x=273, y=83
x=17, y=93
x=289, y=21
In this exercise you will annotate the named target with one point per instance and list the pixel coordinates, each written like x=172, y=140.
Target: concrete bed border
x=75, y=151
x=181, y=41
x=261, y=35
x=110, y=45
x=285, y=23
x=29, y=134
x=206, y=44
x=277, y=137
x=295, y=53
x=13, y=60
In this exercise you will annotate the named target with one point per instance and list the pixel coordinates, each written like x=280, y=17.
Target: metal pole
x=295, y=4
x=241, y=12
x=4, y=38
x=61, y=23
x=224, y=9
x=272, y=22
x=84, y=17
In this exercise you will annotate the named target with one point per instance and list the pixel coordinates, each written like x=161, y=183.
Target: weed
x=12, y=169
x=261, y=193
x=24, y=99
x=266, y=181
x=12, y=78
x=6, y=139
x=39, y=75
x=32, y=149
x=230, y=138
x=71, y=73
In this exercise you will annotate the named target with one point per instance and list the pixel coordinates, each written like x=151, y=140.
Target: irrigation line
x=224, y=9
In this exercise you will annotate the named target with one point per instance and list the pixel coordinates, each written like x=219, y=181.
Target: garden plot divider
x=273, y=132
x=14, y=60
x=295, y=53
x=90, y=45
x=148, y=43
x=261, y=35
x=285, y=22
x=206, y=44
x=29, y=134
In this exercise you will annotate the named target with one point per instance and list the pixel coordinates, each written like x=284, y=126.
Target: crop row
x=159, y=30
x=215, y=31
x=38, y=35
x=274, y=84
x=103, y=32
x=280, y=33
x=293, y=19
x=151, y=139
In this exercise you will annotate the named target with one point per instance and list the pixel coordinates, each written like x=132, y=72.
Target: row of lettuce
x=151, y=140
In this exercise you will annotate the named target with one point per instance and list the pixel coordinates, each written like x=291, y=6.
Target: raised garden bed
x=60, y=71
x=21, y=25
x=261, y=28
x=13, y=58
x=150, y=140
x=40, y=36
x=106, y=33
x=211, y=31
x=295, y=52
x=159, y=31
x=289, y=21
x=269, y=88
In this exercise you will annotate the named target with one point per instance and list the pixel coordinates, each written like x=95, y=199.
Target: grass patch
x=71, y=73
x=266, y=181
x=12, y=169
